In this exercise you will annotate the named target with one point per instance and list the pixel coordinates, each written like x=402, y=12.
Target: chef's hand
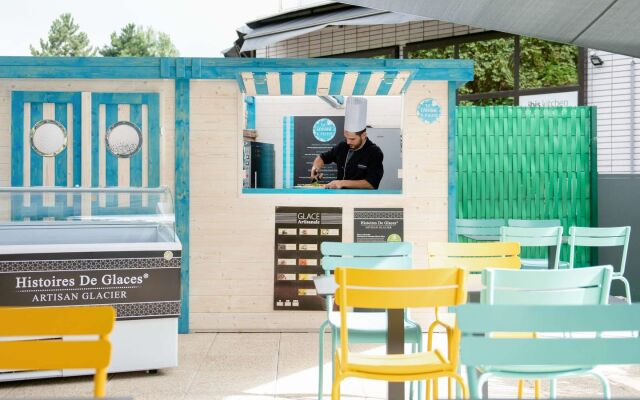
x=315, y=174
x=335, y=185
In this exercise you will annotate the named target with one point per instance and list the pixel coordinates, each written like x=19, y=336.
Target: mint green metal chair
x=538, y=223
x=479, y=347
x=602, y=237
x=481, y=230
x=535, y=237
x=365, y=327
x=584, y=286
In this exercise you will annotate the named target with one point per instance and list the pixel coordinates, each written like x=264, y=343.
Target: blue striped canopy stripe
x=370, y=83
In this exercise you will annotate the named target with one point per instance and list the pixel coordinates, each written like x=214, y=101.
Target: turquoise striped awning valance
x=350, y=83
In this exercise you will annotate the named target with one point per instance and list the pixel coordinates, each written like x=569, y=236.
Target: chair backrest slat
x=598, y=232
x=532, y=237
x=534, y=223
x=587, y=241
x=478, y=318
x=591, y=295
x=599, y=237
x=329, y=263
x=400, y=288
x=479, y=223
x=44, y=321
x=546, y=280
x=478, y=231
x=55, y=354
x=474, y=257
x=599, y=351
x=366, y=249
x=474, y=249
x=572, y=286
x=479, y=227
x=475, y=264
x=394, y=255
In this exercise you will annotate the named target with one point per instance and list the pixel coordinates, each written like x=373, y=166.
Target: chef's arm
x=349, y=184
x=315, y=168
x=359, y=184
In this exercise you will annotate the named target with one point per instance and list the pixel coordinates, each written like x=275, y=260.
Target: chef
x=358, y=159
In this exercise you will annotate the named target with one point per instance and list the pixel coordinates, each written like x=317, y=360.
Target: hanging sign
x=429, y=111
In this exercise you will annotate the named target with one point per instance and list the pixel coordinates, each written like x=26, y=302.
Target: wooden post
x=182, y=192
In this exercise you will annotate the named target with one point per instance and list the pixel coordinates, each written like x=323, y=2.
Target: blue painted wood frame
x=361, y=83
x=386, y=83
x=135, y=101
x=452, y=199
x=306, y=191
x=220, y=68
x=337, y=79
x=311, y=83
x=250, y=104
x=286, y=83
x=182, y=93
x=288, y=150
x=37, y=100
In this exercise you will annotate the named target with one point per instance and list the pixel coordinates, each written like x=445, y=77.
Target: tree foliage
x=542, y=64
x=65, y=39
x=137, y=41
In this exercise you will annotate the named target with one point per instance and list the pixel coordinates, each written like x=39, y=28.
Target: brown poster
x=298, y=235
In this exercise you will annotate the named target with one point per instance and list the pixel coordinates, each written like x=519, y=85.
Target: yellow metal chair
x=398, y=289
x=473, y=258
x=27, y=354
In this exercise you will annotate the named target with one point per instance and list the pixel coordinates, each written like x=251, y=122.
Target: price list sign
x=298, y=235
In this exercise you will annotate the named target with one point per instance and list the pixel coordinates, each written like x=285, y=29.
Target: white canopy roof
x=610, y=25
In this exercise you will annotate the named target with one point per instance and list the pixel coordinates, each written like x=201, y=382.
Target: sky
x=198, y=28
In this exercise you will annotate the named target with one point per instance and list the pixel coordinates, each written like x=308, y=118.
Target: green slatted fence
x=527, y=163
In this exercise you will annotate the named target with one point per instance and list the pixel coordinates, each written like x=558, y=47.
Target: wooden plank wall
x=232, y=235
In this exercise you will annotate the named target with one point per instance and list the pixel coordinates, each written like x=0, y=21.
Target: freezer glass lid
x=88, y=206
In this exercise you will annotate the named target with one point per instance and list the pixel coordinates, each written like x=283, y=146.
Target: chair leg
x=606, y=389
x=472, y=378
x=334, y=345
x=420, y=382
x=627, y=288
x=413, y=350
x=552, y=389
x=520, y=388
x=100, y=383
x=335, y=387
x=435, y=389
x=465, y=391
x=458, y=388
x=323, y=328
x=449, y=387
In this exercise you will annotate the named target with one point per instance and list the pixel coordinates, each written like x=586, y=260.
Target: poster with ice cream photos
x=299, y=232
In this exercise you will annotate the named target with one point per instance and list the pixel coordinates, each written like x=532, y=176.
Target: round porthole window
x=124, y=139
x=48, y=138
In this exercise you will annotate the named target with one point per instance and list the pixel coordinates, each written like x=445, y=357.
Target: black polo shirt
x=354, y=165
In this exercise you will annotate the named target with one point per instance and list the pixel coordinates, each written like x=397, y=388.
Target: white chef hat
x=355, y=115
